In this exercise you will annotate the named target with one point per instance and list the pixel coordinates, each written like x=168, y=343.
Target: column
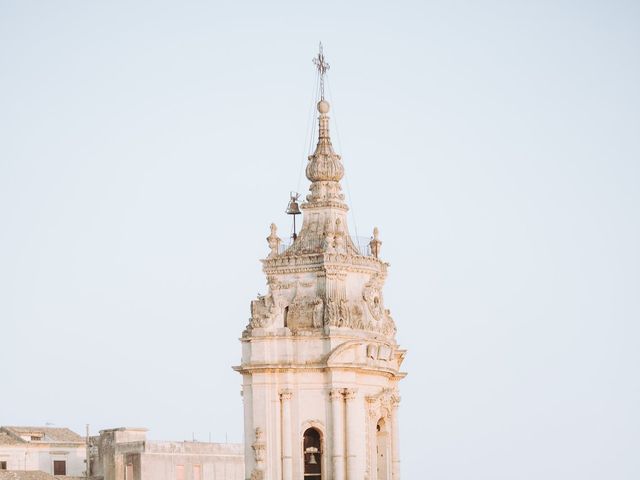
x=395, y=442
x=285, y=399
x=352, y=434
x=337, y=414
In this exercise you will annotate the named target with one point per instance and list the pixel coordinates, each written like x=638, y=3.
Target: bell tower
x=320, y=363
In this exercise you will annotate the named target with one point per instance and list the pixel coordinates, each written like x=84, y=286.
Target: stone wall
x=126, y=454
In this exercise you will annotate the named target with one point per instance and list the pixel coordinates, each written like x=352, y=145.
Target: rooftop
x=20, y=435
x=35, y=475
x=25, y=475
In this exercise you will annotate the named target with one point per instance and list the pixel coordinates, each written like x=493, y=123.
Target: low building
x=54, y=451
x=36, y=475
x=126, y=454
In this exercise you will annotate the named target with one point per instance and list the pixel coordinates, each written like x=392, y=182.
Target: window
x=59, y=467
x=3, y=465
x=36, y=438
x=179, y=472
x=312, y=452
x=197, y=472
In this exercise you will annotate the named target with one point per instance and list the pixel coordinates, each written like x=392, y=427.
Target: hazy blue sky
x=146, y=146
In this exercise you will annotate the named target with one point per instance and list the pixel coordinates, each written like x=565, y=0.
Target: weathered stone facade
x=320, y=362
x=126, y=454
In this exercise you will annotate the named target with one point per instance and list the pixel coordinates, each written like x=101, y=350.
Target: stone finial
x=324, y=165
x=273, y=241
x=375, y=243
x=323, y=106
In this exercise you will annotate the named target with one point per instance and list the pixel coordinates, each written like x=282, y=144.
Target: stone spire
x=324, y=228
x=325, y=169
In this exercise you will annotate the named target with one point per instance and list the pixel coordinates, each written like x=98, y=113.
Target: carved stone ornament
x=286, y=394
x=336, y=394
x=305, y=312
x=382, y=352
x=257, y=474
x=372, y=295
x=259, y=446
x=275, y=284
x=263, y=311
x=388, y=327
x=381, y=317
x=344, y=313
x=383, y=404
x=350, y=393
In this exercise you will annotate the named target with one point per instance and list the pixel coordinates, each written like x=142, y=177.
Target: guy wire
x=346, y=177
x=310, y=130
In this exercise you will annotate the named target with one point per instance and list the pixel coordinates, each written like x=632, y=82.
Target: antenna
x=293, y=209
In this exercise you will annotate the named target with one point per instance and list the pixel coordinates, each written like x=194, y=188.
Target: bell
x=312, y=460
x=293, y=208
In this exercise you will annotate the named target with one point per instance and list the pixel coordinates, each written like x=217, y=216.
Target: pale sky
x=145, y=147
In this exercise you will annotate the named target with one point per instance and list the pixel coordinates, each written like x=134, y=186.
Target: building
x=55, y=451
x=32, y=475
x=126, y=454
x=320, y=363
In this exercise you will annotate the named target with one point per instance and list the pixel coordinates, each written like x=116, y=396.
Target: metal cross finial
x=322, y=67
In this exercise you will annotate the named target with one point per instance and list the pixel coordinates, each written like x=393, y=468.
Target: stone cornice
x=291, y=368
x=330, y=262
x=321, y=204
x=365, y=335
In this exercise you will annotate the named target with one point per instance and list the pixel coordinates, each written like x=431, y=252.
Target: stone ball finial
x=323, y=106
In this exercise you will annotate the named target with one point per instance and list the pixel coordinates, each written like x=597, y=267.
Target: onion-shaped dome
x=324, y=165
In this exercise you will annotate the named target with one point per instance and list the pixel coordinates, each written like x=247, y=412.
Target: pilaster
x=352, y=436
x=287, y=434
x=395, y=439
x=337, y=414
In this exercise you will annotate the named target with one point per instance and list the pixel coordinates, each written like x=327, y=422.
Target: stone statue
x=273, y=241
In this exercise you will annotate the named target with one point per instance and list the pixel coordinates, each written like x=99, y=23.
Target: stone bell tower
x=320, y=363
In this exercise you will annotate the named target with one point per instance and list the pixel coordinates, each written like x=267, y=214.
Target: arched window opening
x=286, y=314
x=312, y=451
x=383, y=450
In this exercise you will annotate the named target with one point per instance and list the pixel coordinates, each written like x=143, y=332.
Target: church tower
x=320, y=363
